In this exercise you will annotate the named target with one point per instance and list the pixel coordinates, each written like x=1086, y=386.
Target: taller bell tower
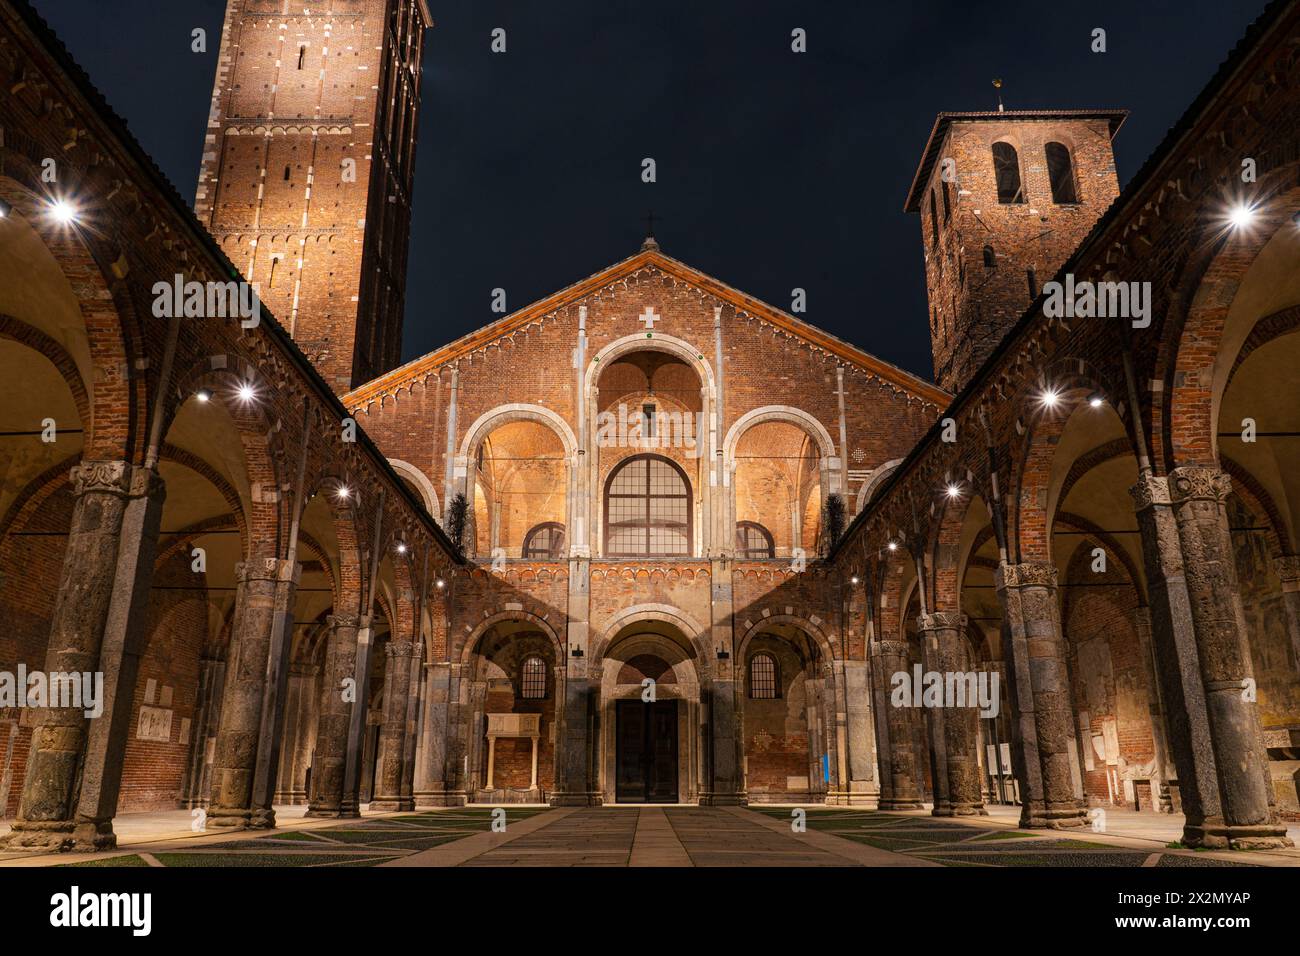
x=308, y=168
x=1005, y=198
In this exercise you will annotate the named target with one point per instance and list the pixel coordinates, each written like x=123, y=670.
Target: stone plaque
x=155, y=724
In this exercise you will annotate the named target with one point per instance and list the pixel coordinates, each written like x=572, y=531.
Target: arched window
x=647, y=509
x=302, y=55
x=1006, y=167
x=1060, y=172
x=763, y=683
x=934, y=222
x=545, y=542
x=532, y=679
x=990, y=260
x=947, y=201
x=753, y=541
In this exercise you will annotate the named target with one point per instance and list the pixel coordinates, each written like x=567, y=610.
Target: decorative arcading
x=1195, y=483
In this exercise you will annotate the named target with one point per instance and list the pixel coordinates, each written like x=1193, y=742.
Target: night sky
x=775, y=170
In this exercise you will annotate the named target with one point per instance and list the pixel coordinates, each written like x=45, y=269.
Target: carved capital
x=1150, y=490
x=941, y=620
x=343, y=620
x=102, y=477
x=400, y=649
x=1031, y=574
x=891, y=649
x=1192, y=483
x=267, y=569
x=1287, y=567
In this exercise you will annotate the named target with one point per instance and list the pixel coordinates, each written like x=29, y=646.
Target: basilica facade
x=648, y=539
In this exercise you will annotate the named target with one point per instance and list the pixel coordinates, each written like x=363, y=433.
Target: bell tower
x=308, y=168
x=1005, y=198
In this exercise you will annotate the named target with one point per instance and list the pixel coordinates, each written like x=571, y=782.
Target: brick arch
x=428, y=493
x=519, y=615
x=118, y=406
x=946, y=563
x=34, y=494
x=803, y=622
x=661, y=342
x=260, y=442
x=1029, y=522
x=874, y=481
x=697, y=635
x=494, y=418
x=777, y=413
x=1108, y=541
x=1190, y=349
x=33, y=338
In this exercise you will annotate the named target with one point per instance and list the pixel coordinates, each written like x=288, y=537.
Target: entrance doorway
x=646, y=752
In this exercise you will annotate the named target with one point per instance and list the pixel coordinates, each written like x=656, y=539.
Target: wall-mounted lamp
x=723, y=653
x=576, y=652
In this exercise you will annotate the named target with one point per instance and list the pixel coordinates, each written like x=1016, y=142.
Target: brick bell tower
x=308, y=167
x=1005, y=197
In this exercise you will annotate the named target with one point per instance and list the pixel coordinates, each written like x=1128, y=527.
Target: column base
x=889, y=803
x=1223, y=836
x=41, y=836
x=440, y=798
x=234, y=818
x=968, y=810
x=724, y=800
x=1041, y=819
x=392, y=804
x=329, y=813
x=591, y=798
x=870, y=801
x=262, y=818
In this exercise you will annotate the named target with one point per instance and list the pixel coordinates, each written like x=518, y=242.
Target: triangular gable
x=419, y=368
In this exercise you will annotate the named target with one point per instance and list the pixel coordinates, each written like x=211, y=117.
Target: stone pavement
x=652, y=836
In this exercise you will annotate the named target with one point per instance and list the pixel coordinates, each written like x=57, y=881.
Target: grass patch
x=130, y=860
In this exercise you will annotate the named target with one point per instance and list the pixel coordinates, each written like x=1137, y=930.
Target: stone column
x=431, y=761
x=397, y=690
x=1166, y=775
x=1032, y=617
x=410, y=739
x=860, y=786
x=359, y=745
x=299, y=733
x=1198, y=629
x=944, y=632
x=258, y=599
x=932, y=719
x=207, y=717
x=575, y=785
x=724, y=785
x=335, y=711
x=903, y=792
x=74, y=766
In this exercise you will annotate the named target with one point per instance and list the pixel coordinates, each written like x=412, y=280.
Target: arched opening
x=648, y=509
x=1006, y=170
x=520, y=480
x=1060, y=174
x=778, y=483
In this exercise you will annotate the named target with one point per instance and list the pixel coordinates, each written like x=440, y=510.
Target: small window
x=545, y=542
x=990, y=260
x=934, y=222
x=270, y=282
x=532, y=682
x=753, y=541
x=648, y=421
x=947, y=202
x=1006, y=167
x=286, y=174
x=762, y=677
x=1060, y=172
x=1033, y=284
x=302, y=56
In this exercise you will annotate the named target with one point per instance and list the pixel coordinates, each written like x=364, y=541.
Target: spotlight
x=1241, y=216
x=854, y=580
x=401, y=548
x=203, y=394
x=4, y=208
x=893, y=546
x=246, y=392
x=344, y=492
x=440, y=583
x=63, y=212
x=953, y=491
x=1049, y=398
x=1096, y=400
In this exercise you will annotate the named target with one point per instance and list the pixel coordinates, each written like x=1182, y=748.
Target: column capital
x=267, y=569
x=1149, y=490
x=941, y=620
x=1287, y=567
x=400, y=649
x=119, y=478
x=343, y=620
x=890, y=647
x=1195, y=482
x=1029, y=574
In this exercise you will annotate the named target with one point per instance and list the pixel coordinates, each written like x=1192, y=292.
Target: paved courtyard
x=685, y=836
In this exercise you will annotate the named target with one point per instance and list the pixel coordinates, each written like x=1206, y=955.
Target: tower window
x=302, y=56
x=286, y=174
x=990, y=260
x=934, y=222
x=270, y=281
x=762, y=677
x=532, y=679
x=1006, y=167
x=947, y=201
x=1060, y=172
x=753, y=541
x=1033, y=284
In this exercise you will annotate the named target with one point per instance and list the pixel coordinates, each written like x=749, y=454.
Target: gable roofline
x=939, y=132
x=482, y=337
